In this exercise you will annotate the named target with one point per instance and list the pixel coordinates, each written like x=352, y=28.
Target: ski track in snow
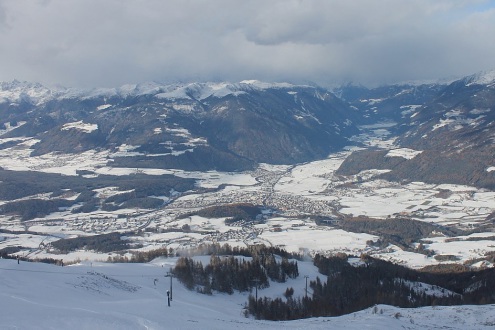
x=43, y=297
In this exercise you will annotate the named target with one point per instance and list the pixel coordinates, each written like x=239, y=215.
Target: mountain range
x=234, y=127
x=452, y=126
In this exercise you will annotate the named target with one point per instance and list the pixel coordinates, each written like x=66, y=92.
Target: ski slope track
x=126, y=296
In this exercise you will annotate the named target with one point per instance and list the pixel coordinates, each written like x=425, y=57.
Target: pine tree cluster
x=349, y=289
x=229, y=273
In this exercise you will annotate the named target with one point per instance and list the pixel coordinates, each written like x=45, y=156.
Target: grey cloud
x=3, y=17
x=112, y=42
x=323, y=22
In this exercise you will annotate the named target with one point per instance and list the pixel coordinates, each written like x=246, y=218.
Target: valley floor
x=297, y=193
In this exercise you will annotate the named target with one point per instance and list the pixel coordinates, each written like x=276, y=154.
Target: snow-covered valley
x=297, y=193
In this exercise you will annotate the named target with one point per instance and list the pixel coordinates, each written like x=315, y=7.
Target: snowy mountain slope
x=456, y=130
x=124, y=296
x=389, y=103
x=462, y=113
x=19, y=92
x=451, y=128
x=198, y=126
x=481, y=78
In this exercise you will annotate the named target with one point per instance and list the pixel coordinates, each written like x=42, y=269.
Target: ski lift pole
x=306, y=277
x=169, y=274
x=257, y=282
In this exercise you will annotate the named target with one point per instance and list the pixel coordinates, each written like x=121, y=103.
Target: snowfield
x=403, y=152
x=80, y=126
x=126, y=296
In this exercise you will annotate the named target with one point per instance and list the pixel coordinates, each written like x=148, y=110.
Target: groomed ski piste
x=95, y=295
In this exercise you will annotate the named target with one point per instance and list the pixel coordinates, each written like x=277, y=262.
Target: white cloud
x=112, y=42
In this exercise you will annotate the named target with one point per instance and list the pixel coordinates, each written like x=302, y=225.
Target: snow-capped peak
x=201, y=91
x=265, y=85
x=147, y=88
x=16, y=91
x=481, y=78
x=36, y=93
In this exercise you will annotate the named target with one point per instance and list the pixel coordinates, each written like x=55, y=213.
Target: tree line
x=348, y=289
x=229, y=273
x=100, y=243
x=233, y=212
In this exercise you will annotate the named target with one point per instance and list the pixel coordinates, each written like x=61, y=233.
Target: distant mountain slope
x=232, y=127
x=197, y=126
x=392, y=102
x=461, y=117
x=455, y=130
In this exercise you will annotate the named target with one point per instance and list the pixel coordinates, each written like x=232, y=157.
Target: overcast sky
x=108, y=43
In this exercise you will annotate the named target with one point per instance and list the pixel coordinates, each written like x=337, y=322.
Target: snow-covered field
x=126, y=296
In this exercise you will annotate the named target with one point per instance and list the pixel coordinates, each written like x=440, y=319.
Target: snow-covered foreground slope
x=124, y=296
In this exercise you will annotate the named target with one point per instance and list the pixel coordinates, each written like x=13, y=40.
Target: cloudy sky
x=108, y=43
